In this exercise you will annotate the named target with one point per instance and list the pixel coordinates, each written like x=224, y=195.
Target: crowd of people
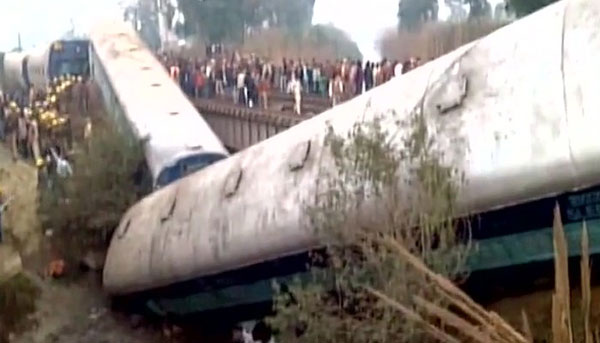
x=37, y=127
x=250, y=80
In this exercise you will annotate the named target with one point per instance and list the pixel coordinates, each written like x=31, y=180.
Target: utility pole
x=19, y=46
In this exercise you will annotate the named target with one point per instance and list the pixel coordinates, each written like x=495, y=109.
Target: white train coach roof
x=155, y=106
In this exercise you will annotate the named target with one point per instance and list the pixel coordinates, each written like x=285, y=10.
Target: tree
x=412, y=13
x=228, y=20
x=293, y=16
x=321, y=42
x=479, y=8
x=327, y=35
x=457, y=10
x=525, y=7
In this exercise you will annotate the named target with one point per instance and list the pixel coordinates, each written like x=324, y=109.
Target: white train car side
x=14, y=76
x=516, y=112
x=38, y=64
x=142, y=98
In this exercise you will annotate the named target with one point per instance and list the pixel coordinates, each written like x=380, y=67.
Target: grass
x=17, y=301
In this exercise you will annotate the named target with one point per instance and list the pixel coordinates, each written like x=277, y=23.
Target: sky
x=41, y=21
x=363, y=20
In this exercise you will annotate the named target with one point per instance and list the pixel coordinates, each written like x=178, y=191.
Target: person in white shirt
x=376, y=71
x=398, y=69
x=87, y=130
x=295, y=87
x=241, y=85
x=336, y=90
x=33, y=136
x=63, y=167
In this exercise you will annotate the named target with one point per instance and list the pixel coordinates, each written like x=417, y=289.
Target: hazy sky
x=41, y=21
x=365, y=20
x=362, y=20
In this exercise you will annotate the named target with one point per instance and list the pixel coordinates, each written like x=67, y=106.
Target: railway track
x=308, y=98
x=240, y=126
x=271, y=116
x=279, y=103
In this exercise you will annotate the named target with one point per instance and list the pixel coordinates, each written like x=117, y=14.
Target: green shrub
x=84, y=209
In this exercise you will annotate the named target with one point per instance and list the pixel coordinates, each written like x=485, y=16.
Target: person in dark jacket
x=251, y=89
x=368, y=76
x=358, y=79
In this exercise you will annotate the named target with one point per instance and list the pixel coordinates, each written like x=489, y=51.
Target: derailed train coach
x=21, y=71
x=516, y=112
x=149, y=106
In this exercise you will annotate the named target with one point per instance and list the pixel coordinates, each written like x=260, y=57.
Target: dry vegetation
x=386, y=281
x=350, y=300
x=84, y=209
x=17, y=302
x=433, y=39
x=321, y=42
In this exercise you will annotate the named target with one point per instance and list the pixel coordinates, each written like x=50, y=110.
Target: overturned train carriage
x=516, y=112
x=14, y=72
x=149, y=106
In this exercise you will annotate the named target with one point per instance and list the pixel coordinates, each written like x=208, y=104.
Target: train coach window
x=155, y=85
x=173, y=113
x=167, y=176
x=146, y=68
x=198, y=162
x=169, y=214
x=299, y=156
x=233, y=182
x=123, y=229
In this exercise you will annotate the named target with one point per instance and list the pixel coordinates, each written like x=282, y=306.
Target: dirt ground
x=19, y=181
x=69, y=313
